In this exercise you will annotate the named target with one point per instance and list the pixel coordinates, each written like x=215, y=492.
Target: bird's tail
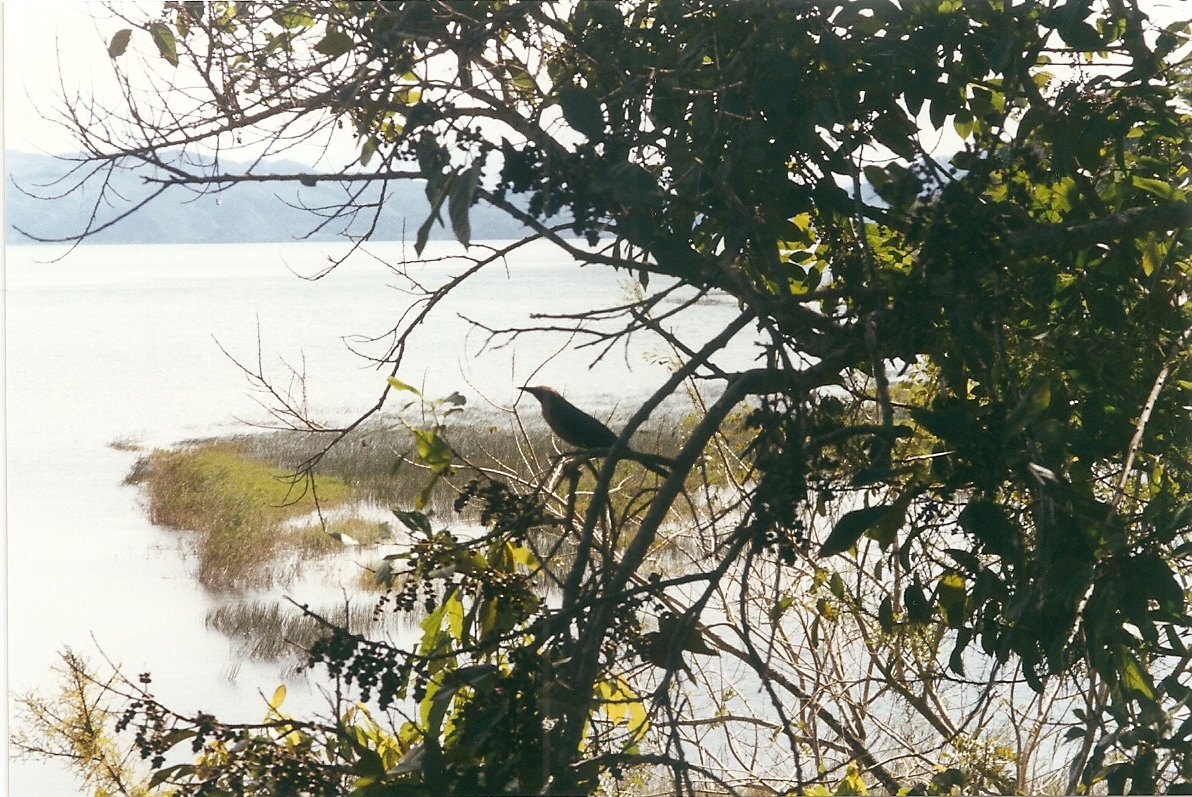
x=659, y=464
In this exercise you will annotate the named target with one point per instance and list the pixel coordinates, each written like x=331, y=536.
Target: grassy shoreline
x=250, y=515
x=252, y=526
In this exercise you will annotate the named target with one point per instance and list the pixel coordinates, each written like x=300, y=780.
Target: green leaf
x=291, y=18
x=956, y=660
x=176, y=771
x=432, y=630
x=885, y=531
x=634, y=186
x=119, y=43
x=1151, y=257
x=414, y=521
x=460, y=199
x=918, y=610
x=163, y=37
x=988, y=523
x=779, y=608
x=1081, y=35
x=677, y=634
x=423, y=234
x=1034, y=403
x=433, y=450
x=438, y=187
x=368, y=148
x=520, y=77
x=581, y=111
x=949, y=423
x=335, y=43
x=423, y=498
x=850, y=528
x=1157, y=187
x=885, y=615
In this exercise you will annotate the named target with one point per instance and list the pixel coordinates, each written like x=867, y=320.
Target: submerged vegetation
x=270, y=630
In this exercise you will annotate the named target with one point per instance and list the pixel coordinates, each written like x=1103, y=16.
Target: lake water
x=119, y=344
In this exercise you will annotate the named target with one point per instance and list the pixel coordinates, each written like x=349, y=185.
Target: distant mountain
x=244, y=213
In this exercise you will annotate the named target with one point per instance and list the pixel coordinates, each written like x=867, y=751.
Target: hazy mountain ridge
x=255, y=212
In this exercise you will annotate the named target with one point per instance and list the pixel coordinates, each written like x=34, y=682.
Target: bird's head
x=539, y=392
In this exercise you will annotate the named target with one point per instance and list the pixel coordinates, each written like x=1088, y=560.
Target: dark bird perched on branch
x=578, y=428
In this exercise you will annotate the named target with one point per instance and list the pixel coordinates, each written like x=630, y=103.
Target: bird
x=576, y=427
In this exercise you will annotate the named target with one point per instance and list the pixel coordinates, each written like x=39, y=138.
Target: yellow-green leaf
x=163, y=37
x=1151, y=257
x=1156, y=187
x=952, y=599
x=279, y=697
x=851, y=783
x=779, y=608
x=1133, y=677
x=623, y=707
x=433, y=450
x=397, y=384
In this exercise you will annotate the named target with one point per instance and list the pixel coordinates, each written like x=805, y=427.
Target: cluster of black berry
x=625, y=632
x=502, y=509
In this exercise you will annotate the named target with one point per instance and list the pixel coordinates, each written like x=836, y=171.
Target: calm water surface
x=120, y=344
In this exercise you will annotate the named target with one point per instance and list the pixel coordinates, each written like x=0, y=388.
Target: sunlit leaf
x=397, y=384
x=952, y=599
x=1157, y=187
x=1132, y=675
x=433, y=450
x=291, y=17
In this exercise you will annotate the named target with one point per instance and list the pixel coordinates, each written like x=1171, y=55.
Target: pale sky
x=55, y=47
x=35, y=33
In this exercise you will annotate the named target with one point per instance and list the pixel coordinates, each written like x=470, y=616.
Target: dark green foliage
x=980, y=374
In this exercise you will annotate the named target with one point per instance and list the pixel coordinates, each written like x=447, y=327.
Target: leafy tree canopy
x=959, y=466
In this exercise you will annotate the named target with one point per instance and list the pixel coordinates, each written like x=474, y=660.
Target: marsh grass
x=375, y=461
x=251, y=515
x=234, y=503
